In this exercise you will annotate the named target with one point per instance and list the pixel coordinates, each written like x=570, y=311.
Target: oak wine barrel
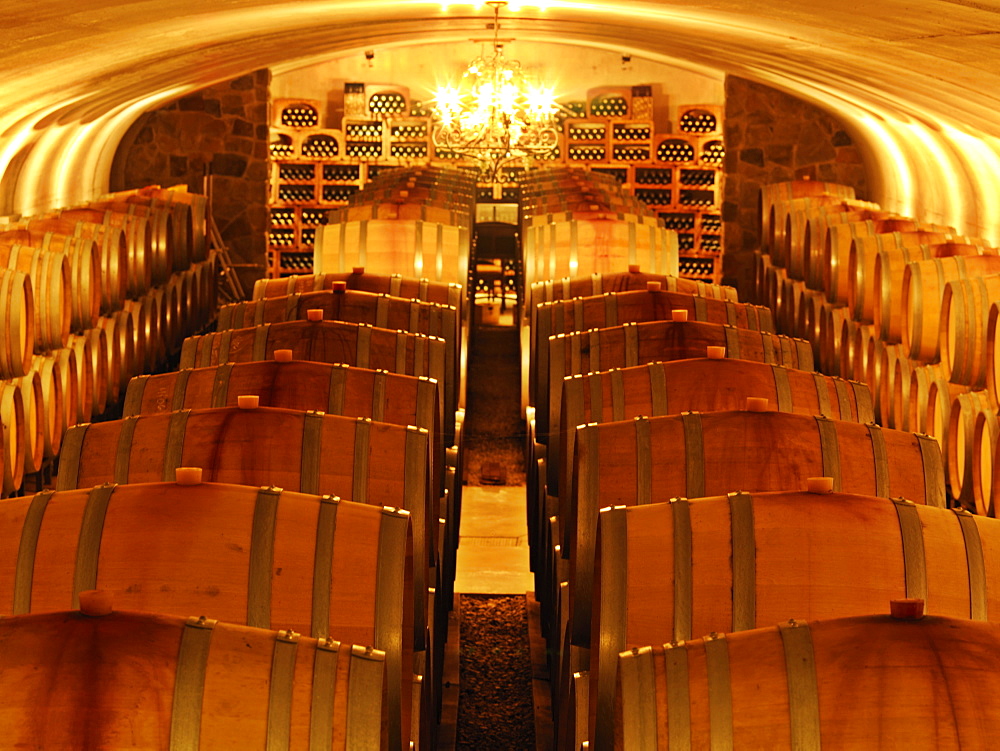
x=51, y=286
x=17, y=311
x=11, y=438
x=53, y=410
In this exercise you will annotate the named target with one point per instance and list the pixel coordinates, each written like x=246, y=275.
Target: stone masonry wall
x=773, y=137
x=221, y=130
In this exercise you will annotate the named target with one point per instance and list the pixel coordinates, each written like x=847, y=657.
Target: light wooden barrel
x=17, y=311
x=837, y=271
x=761, y=263
x=654, y=459
x=161, y=229
x=791, y=217
x=51, y=286
x=961, y=427
x=671, y=571
x=205, y=275
x=33, y=437
x=332, y=342
x=831, y=320
x=598, y=284
x=412, y=207
x=862, y=290
x=774, y=193
x=796, y=683
x=922, y=294
x=197, y=216
x=808, y=317
x=438, y=251
x=376, y=463
x=173, y=682
x=85, y=269
x=138, y=243
x=964, y=329
x=352, y=306
x=121, y=352
x=669, y=388
x=636, y=343
x=885, y=374
x=12, y=440
x=183, y=225
x=70, y=379
x=335, y=389
x=617, y=308
x=91, y=349
x=145, y=327
x=48, y=369
x=581, y=247
x=985, y=436
x=790, y=298
x=112, y=251
x=260, y=557
x=926, y=382
x=393, y=284
x=864, y=335
x=899, y=394
x=808, y=230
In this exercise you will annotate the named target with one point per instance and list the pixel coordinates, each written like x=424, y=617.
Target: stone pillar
x=221, y=131
x=773, y=137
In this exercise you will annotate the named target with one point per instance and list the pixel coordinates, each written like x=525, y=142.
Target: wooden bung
x=716, y=353
x=654, y=286
x=679, y=315
x=819, y=484
x=757, y=404
x=248, y=401
x=96, y=602
x=314, y=314
x=188, y=475
x=283, y=355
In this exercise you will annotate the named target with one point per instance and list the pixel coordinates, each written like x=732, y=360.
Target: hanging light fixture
x=495, y=115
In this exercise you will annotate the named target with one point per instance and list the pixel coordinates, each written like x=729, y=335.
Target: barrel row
x=621, y=467
x=67, y=378
x=910, y=315
x=289, y=406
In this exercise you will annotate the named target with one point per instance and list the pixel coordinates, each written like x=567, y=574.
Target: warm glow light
x=982, y=162
x=495, y=115
x=900, y=180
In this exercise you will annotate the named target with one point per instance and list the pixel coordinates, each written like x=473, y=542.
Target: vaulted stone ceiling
x=916, y=82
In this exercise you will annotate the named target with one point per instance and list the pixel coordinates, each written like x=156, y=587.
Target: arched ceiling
x=917, y=81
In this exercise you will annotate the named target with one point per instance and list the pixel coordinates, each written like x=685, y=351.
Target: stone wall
x=773, y=137
x=223, y=131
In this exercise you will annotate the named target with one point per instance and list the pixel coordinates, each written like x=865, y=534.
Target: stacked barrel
x=576, y=223
x=414, y=221
x=285, y=503
x=696, y=478
x=901, y=304
x=92, y=296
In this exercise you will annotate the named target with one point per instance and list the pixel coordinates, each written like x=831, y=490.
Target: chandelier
x=495, y=115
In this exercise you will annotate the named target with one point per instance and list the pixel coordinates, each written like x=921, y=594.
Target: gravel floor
x=495, y=705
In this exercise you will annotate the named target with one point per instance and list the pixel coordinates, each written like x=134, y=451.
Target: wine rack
x=676, y=173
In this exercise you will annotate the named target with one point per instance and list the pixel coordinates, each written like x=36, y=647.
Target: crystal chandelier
x=495, y=115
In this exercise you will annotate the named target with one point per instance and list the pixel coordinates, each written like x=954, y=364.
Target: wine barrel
x=182, y=218
x=670, y=388
x=617, y=308
x=837, y=271
x=439, y=251
x=775, y=193
x=924, y=379
x=121, y=352
x=91, y=349
x=33, y=437
x=405, y=205
x=984, y=437
x=831, y=320
x=145, y=327
x=138, y=243
x=964, y=328
x=597, y=284
x=262, y=557
x=789, y=233
x=885, y=375
x=161, y=230
x=351, y=306
x=53, y=410
x=188, y=683
x=332, y=342
x=51, y=286
x=636, y=343
x=654, y=459
x=335, y=389
x=376, y=463
x=581, y=246
x=862, y=291
x=112, y=252
x=12, y=439
x=670, y=571
x=394, y=284
x=899, y=394
x=922, y=293
x=197, y=217
x=70, y=379
x=798, y=682
x=85, y=269
x=17, y=311
x=960, y=427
